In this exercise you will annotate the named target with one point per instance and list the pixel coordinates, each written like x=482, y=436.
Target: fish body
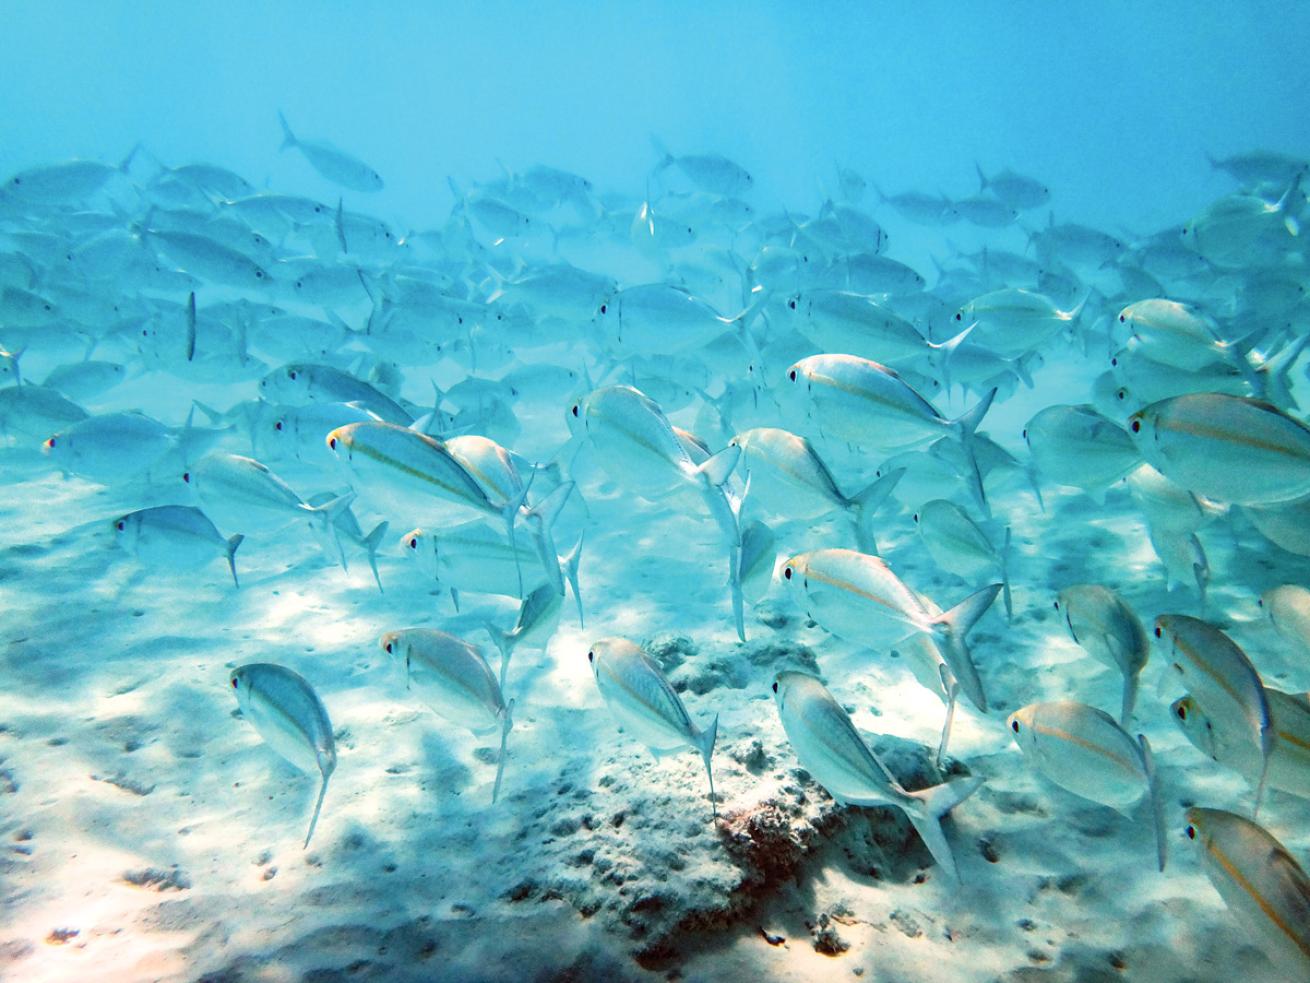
x=830, y=748
x=178, y=536
x=282, y=706
x=1109, y=631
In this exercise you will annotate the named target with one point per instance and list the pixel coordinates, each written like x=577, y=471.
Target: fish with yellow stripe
x=645, y=705
x=1227, y=688
x=1084, y=751
x=858, y=400
x=858, y=597
x=830, y=748
x=1289, y=752
x=1261, y=883
x=1229, y=448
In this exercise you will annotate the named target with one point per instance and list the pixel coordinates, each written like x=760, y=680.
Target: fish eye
x=959, y=316
x=234, y=682
x=291, y=374
x=1122, y=394
x=413, y=542
x=1115, y=360
x=1137, y=426
x=775, y=686
x=186, y=476
x=1191, y=832
x=1014, y=726
x=51, y=442
x=1182, y=712
x=278, y=425
x=1158, y=632
x=259, y=274
x=1025, y=433
x=787, y=573
x=1057, y=605
x=575, y=409
x=604, y=308
x=1122, y=319
x=915, y=517
x=1260, y=602
x=792, y=304
x=591, y=656
x=792, y=375
x=332, y=443
x=120, y=525
x=388, y=646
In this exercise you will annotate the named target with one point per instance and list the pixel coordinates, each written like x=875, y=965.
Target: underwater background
x=150, y=832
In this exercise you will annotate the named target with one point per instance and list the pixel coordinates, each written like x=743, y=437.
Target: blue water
x=150, y=833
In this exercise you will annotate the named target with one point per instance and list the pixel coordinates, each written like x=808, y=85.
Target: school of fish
x=809, y=370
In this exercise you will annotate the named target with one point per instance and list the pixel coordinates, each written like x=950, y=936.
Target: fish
x=787, y=477
x=646, y=706
x=1288, y=610
x=830, y=748
x=283, y=707
x=453, y=679
x=709, y=172
x=639, y=449
x=869, y=404
x=1260, y=882
x=1227, y=448
x=959, y=546
x=242, y=492
x=1289, y=753
x=858, y=597
x=1224, y=685
x=1077, y=446
x=1084, y=751
x=1014, y=321
x=178, y=536
x=1108, y=630
x=1017, y=190
x=331, y=163
x=536, y=622
x=111, y=447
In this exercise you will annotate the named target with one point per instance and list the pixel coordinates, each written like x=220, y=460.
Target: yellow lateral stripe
x=381, y=458
x=1082, y=742
x=1257, y=897
x=1208, y=669
x=869, y=395
x=846, y=585
x=1197, y=429
x=640, y=699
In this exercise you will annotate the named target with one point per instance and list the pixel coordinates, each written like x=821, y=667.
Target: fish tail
x=542, y=518
x=505, y=642
x=738, y=603
x=717, y=469
x=949, y=631
x=982, y=178
x=568, y=564
x=928, y=807
x=866, y=503
x=1156, y=801
x=288, y=138
x=965, y=427
x=945, y=352
x=318, y=807
x=326, y=517
x=1005, y=578
x=952, y=688
x=232, y=543
x=371, y=543
x=191, y=327
x=507, y=724
x=1129, y=698
x=1276, y=372
x=705, y=741
x=666, y=159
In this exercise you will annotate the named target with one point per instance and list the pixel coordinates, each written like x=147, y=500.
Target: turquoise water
x=241, y=422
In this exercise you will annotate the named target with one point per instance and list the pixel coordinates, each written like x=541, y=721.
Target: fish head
x=241, y=681
x=422, y=548
x=340, y=441
x=1020, y=724
x=795, y=572
x=126, y=528
x=393, y=643
x=1193, y=722
x=288, y=384
x=787, y=684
